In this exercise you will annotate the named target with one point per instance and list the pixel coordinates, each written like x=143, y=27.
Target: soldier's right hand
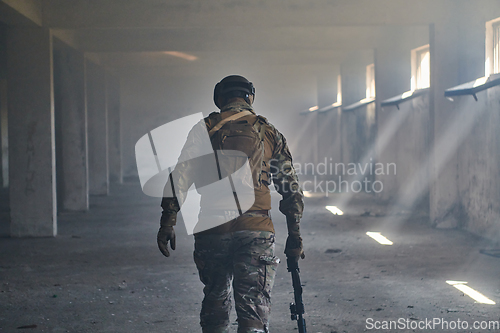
x=294, y=248
x=166, y=234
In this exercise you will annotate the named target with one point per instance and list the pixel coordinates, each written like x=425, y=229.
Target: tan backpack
x=242, y=135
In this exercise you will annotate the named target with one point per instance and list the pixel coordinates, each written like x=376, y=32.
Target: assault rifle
x=297, y=308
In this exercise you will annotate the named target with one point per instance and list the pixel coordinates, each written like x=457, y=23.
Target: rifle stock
x=296, y=309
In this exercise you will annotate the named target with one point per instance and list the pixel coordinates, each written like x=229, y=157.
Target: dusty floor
x=103, y=272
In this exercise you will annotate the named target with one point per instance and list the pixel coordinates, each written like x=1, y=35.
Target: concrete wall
x=4, y=135
x=392, y=78
x=114, y=129
x=71, y=128
x=446, y=152
x=150, y=100
x=4, y=144
x=478, y=208
x=407, y=187
x=98, y=157
x=330, y=139
x=471, y=139
x=329, y=129
x=358, y=125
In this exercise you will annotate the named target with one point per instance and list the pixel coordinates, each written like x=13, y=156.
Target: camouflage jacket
x=277, y=168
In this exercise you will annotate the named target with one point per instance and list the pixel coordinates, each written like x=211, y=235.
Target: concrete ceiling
x=78, y=14
x=273, y=58
x=238, y=38
x=127, y=33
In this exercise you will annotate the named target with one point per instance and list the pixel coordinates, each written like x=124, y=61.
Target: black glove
x=165, y=234
x=293, y=247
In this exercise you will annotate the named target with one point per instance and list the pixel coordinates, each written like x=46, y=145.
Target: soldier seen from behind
x=240, y=251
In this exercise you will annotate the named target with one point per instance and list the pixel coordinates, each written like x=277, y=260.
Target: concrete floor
x=103, y=272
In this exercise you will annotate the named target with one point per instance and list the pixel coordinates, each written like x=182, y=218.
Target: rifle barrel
x=297, y=309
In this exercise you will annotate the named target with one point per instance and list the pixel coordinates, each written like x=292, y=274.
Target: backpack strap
x=228, y=119
x=259, y=126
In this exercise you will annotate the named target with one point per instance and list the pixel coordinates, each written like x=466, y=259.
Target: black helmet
x=233, y=86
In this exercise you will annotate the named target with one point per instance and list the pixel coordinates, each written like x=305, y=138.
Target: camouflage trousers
x=245, y=258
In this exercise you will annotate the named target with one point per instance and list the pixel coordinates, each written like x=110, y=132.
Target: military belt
x=261, y=212
x=236, y=213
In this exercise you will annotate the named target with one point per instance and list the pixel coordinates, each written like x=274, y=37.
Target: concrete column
x=71, y=128
x=4, y=142
x=444, y=50
x=97, y=129
x=4, y=132
x=31, y=132
x=114, y=129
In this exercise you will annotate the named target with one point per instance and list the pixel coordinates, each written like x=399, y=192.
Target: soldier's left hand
x=166, y=234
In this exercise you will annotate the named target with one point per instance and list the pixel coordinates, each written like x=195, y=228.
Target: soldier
x=241, y=250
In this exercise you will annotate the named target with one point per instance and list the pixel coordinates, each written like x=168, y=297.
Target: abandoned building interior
x=391, y=110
